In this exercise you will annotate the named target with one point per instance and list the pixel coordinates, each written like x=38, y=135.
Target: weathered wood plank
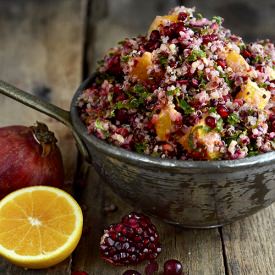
x=250, y=244
x=41, y=51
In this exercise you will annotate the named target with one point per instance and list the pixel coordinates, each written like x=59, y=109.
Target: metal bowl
x=197, y=194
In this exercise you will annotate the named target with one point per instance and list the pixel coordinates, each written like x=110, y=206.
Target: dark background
x=116, y=19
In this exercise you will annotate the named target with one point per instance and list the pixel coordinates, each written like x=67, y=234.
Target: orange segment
x=160, y=20
x=236, y=62
x=140, y=69
x=39, y=226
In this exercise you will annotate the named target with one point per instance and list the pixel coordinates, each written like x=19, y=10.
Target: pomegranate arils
x=122, y=115
x=222, y=111
x=113, y=65
x=221, y=63
x=131, y=272
x=79, y=273
x=211, y=122
x=155, y=35
x=172, y=267
x=209, y=38
x=182, y=16
x=246, y=53
x=133, y=240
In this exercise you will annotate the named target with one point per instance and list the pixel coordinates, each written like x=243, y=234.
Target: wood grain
x=41, y=51
x=249, y=244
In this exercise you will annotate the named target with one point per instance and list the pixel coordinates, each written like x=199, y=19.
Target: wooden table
x=47, y=48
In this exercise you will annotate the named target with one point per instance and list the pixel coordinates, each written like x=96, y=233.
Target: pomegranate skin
x=22, y=163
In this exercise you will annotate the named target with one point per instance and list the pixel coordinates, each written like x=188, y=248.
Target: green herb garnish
x=125, y=58
x=212, y=110
x=218, y=19
x=195, y=55
x=99, y=125
x=199, y=16
x=263, y=85
x=187, y=109
x=163, y=60
x=173, y=92
x=141, y=147
x=219, y=125
x=233, y=119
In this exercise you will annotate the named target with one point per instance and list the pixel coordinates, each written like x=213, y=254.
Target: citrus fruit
x=40, y=226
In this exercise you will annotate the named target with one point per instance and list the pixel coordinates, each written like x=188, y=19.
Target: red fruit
x=172, y=267
x=130, y=242
x=211, y=122
x=182, y=16
x=246, y=53
x=79, y=273
x=29, y=156
x=221, y=63
x=209, y=38
x=222, y=111
x=122, y=131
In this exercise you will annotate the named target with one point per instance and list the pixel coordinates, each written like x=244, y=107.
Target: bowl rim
x=145, y=160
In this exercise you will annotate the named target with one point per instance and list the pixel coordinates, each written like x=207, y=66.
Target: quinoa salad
x=189, y=90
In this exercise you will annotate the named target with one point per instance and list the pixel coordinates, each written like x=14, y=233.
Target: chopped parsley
x=263, y=85
x=173, y=92
x=125, y=58
x=199, y=15
x=233, y=119
x=212, y=110
x=219, y=125
x=99, y=125
x=187, y=109
x=218, y=19
x=141, y=147
x=163, y=60
x=195, y=55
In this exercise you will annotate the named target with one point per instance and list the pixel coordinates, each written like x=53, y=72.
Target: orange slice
x=40, y=226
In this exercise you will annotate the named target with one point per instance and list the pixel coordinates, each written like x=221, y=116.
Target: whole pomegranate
x=29, y=156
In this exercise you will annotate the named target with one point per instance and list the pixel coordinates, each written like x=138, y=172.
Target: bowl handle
x=46, y=108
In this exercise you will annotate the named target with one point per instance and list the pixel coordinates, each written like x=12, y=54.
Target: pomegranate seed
x=239, y=101
x=122, y=115
x=113, y=65
x=273, y=126
x=182, y=16
x=122, y=131
x=172, y=267
x=246, y=53
x=155, y=35
x=222, y=111
x=260, y=68
x=133, y=240
x=131, y=272
x=211, y=122
x=79, y=273
x=209, y=38
x=194, y=82
x=221, y=63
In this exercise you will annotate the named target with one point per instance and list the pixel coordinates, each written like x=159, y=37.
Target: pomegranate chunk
x=130, y=242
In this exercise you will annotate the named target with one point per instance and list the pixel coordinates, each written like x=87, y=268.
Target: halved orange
x=40, y=226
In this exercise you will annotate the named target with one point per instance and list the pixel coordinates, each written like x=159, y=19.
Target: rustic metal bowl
x=188, y=193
